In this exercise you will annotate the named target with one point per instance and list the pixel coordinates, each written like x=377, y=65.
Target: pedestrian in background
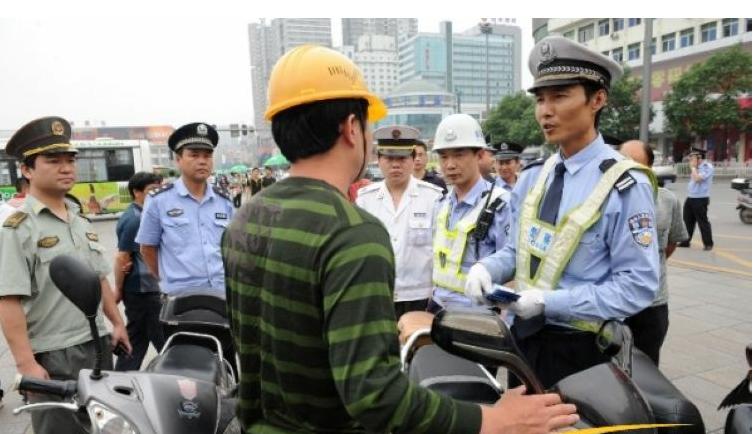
x=696, y=206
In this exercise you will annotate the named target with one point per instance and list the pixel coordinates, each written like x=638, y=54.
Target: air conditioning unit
x=614, y=36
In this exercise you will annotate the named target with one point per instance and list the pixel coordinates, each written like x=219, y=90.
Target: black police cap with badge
x=43, y=136
x=396, y=140
x=508, y=151
x=697, y=151
x=196, y=135
x=559, y=61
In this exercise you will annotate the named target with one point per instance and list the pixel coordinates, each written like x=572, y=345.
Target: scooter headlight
x=106, y=421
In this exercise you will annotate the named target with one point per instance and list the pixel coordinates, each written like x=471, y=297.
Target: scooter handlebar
x=63, y=389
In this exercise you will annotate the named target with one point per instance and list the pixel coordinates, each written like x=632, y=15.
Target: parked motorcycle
x=739, y=402
x=743, y=199
x=188, y=388
x=628, y=390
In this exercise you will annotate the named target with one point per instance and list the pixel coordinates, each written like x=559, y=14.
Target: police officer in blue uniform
x=507, y=164
x=576, y=262
x=697, y=204
x=183, y=222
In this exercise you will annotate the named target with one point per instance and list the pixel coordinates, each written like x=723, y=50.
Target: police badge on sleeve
x=641, y=226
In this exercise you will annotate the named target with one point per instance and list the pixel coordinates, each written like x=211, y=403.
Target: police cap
x=508, y=151
x=697, y=151
x=197, y=135
x=48, y=135
x=559, y=61
x=396, y=140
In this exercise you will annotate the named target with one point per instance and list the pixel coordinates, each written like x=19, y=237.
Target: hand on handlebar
x=527, y=414
x=33, y=369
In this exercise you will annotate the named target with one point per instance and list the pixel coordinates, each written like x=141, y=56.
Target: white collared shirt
x=410, y=228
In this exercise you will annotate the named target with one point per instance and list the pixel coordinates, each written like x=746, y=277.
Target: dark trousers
x=237, y=200
x=64, y=364
x=553, y=353
x=402, y=307
x=696, y=210
x=649, y=328
x=142, y=311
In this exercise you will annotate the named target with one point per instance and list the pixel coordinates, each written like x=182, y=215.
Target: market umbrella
x=239, y=168
x=277, y=160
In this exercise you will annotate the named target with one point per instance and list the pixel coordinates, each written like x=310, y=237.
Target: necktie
x=550, y=205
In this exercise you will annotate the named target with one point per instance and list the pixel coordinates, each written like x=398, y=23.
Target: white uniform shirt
x=410, y=227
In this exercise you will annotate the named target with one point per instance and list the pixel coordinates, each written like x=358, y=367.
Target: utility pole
x=648, y=30
x=486, y=29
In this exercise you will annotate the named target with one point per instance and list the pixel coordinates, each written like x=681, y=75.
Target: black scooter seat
x=668, y=404
x=190, y=361
x=440, y=371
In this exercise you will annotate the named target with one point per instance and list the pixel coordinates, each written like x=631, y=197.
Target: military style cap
x=697, y=151
x=558, y=61
x=49, y=135
x=508, y=151
x=396, y=140
x=193, y=136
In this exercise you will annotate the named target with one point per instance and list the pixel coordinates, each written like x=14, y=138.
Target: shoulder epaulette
x=83, y=216
x=14, y=220
x=534, y=163
x=220, y=192
x=624, y=182
x=374, y=186
x=430, y=186
x=163, y=188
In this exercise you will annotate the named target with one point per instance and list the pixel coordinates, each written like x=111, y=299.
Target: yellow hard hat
x=311, y=73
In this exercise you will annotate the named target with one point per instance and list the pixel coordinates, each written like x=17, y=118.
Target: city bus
x=104, y=167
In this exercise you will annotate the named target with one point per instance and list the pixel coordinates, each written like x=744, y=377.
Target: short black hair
x=140, y=180
x=423, y=145
x=591, y=87
x=30, y=161
x=311, y=129
x=649, y=153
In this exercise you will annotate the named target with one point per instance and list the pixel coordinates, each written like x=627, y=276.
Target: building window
x=668, y=42
x=570, y=34
x=617, y=54
x=606, y=53
x=586, y=33
x=653, y=46
x=618, y=24
x=632, y=22
x=686, y=37
x=634, y=51
x=748, y=22
x=729, y=27
x=603, y=27
x=708, y=32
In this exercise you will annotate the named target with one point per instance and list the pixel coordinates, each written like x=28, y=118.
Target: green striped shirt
x=310, y=280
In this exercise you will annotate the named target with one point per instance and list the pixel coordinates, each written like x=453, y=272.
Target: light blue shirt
x=188, y=233
x=611, y=274
x=701, y=188
x=499, y=182
x=495, y=239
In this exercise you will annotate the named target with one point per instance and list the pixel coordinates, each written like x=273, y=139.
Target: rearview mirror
x=78, y=283
x=482, y=337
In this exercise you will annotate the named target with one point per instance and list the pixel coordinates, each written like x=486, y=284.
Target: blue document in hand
x=503, y=295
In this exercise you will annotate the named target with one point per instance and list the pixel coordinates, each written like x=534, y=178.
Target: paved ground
x=710, y=315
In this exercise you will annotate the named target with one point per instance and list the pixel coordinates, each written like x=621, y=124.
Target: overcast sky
x=141, y=71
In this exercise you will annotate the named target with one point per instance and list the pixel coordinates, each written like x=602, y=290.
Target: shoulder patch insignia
x=15, y=219
x=534, y=163
x=48, y=242
x=624, y=182
x=640, y=226
x=91, y=236
x=162, y=189
x=221, y=192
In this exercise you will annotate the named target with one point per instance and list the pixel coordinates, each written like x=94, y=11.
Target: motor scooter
x=743, y=199
x=188, y=388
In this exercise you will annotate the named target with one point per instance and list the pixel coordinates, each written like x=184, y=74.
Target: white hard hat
x=458, y=131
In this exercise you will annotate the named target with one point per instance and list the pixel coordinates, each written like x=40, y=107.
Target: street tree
x=514, y=119
x=705, y=97
x=621, y=117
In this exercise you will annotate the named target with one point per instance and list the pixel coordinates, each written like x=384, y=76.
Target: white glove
x=530, y=303
x=478, y=283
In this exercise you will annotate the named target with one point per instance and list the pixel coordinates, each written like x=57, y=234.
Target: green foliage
x=705, y=97
x=513, y=119
x=621, y=117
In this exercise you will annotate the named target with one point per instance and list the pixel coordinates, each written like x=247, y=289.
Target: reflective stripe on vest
x=450, y=245
x=556, y=245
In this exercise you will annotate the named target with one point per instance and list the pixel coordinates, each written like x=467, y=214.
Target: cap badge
x=202, y=130
x=503, y=147
x=396, y=134
x=547, y=53
x=57, y=128
x=450, y=135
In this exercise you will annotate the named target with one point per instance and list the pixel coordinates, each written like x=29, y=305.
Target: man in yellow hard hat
x=310, y=279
